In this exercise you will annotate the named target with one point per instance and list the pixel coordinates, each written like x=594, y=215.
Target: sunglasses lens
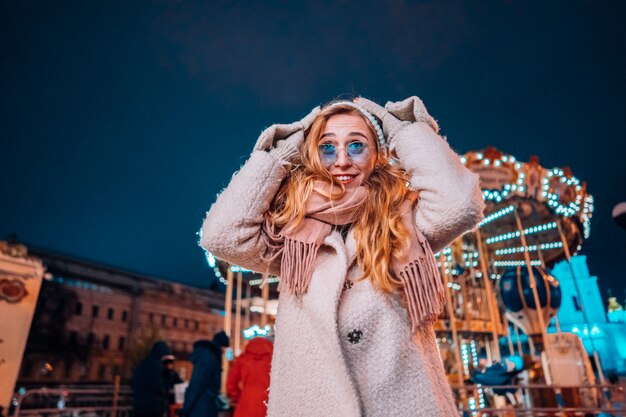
x=328, y=153
x=358, y=152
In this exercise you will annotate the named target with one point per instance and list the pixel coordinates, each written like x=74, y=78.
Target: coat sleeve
x=232, y=227
x=232, y=382
x=201, y=376
x=450, y=201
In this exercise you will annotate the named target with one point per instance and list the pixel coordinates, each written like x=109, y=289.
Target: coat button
x=355, y=336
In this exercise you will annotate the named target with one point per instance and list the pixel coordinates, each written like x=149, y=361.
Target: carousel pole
x=543, y=265
x=265, y=293
x=520, y=348
x=246, y=320
x=533, y=285
x=466, y=298
x=455, y=336
x=493, y=310
x=596, y=358
x=508, y=337
x=531, y=276
x=237, y=344
x=228, y=307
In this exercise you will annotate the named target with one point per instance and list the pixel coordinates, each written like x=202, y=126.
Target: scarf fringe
x=298, y=260
x=423, y=290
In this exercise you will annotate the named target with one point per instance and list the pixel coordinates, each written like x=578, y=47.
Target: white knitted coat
x=350, y=352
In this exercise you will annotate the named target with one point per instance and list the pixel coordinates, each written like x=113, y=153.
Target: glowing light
x=210, y=259
x=496, y=215
x=236, y=268
x=465, y=357
x=255, y=331
x=533, y=262
x=528, y=231
x=270, y=280
x=552, y=199
x=531, y=248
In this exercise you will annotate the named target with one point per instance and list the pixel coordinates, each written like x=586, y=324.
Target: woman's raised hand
x=390, y=122
x=412, y=109
x=400, y=113
x=284, y=140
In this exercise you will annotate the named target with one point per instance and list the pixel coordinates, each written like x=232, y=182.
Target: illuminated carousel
x=492, y=332
x=500, y=295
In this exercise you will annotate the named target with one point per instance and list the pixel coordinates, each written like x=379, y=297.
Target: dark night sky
x=120, y=121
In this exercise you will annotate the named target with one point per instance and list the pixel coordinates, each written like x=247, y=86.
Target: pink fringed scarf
x=417, y=270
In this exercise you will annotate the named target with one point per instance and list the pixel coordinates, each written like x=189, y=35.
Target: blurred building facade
x=93, y=322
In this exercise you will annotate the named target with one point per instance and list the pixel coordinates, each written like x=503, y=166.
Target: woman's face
x=347, y=149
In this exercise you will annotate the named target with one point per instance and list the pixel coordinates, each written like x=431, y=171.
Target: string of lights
x=552, y=199
x=534, y=262
x=496, y=215
x=531, y=248
x=515, y=234
x=270, y=280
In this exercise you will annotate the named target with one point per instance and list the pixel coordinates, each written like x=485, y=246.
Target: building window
x=197, y=325
x=95, y=310
x=73, y=338
x=125, y=315
x=68, y=368
x=90, y=339
x=79, y=309
x=186, y=323
x=110, y=314
x=576, y=303
x=101, y=371
x=106, y=341
x=121, y=343
x=151, y=317
x=163, y=319
x=174, y=322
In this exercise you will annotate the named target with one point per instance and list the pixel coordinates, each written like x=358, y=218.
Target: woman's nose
x=342, y=158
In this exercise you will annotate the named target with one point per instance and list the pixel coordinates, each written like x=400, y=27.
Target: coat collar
x=350, y=246
x=335, y=241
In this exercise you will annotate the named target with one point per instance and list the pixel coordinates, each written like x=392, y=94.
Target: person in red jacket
x=249, y=379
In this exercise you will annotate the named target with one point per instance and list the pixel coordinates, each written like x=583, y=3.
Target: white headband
x=369, y=116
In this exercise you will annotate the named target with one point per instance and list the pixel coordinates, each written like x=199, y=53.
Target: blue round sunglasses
x=357, y=151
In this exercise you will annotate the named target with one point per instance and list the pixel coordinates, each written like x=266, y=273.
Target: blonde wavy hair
x=380, y=233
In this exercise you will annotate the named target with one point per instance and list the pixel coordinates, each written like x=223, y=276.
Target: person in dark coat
x=204, y=385
x=149, y=391
x=249, y=379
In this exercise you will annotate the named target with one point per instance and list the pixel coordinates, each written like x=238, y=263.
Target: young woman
x=347, y=206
